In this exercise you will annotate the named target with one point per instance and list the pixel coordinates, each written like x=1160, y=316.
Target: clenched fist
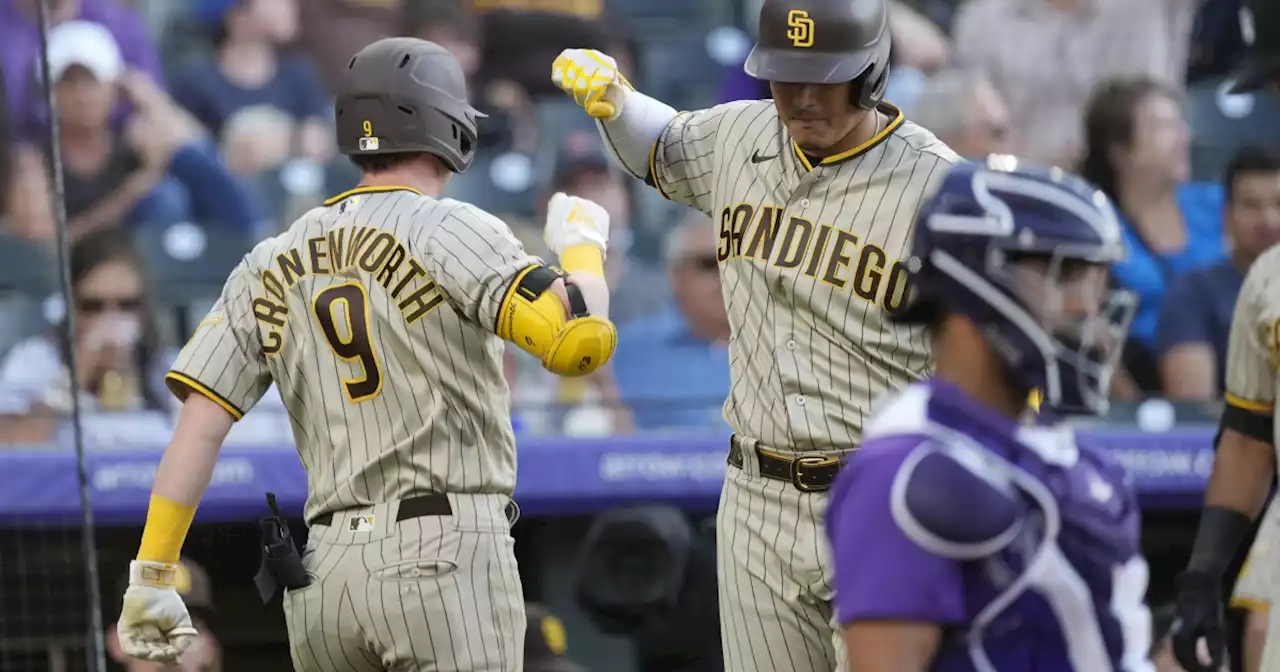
x=592, y=78
x=575, y=221
x=154, y=624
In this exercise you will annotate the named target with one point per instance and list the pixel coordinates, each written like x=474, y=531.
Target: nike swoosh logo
x=756, y=158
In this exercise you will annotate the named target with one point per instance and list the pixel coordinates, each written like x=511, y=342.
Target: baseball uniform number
x=351, y=302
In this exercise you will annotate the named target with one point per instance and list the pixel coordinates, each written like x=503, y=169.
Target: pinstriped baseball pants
x=775, y=577
x=428, y=594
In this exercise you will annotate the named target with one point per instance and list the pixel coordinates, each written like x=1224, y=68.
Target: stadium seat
x=26, y=267
x=188, y=264
x=1222, y=123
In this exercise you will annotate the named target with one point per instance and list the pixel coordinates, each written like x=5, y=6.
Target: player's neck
x=423, y=179
x=866, y=128
x=966, y=361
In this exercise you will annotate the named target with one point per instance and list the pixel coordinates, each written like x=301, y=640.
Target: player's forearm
x=630, y=137
x=183, y=475
x=595, y=292
x=1243, y=469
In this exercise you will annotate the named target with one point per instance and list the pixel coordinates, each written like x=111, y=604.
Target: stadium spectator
x=450, y=25
x=966, y=112
x=114, y=341
x=546, y=647
x=1195, y=321
x=1046, y=56
x=30, y=205
x=673, y=368
x=334, y=30
x=205, y=653
x=159, y=170
x=1137, y=151
x=248, y=69
x=20, y=48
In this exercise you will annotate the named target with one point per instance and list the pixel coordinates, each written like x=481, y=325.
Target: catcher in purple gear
x=967, y=537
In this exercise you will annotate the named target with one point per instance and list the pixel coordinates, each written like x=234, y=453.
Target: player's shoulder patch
x=952, y=497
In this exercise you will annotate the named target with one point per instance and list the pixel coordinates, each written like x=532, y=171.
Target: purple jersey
x=1021, y=542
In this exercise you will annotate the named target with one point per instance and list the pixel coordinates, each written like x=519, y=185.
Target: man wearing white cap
x=122, y=176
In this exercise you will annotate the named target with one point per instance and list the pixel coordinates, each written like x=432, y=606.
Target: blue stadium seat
x=188, y=264
x=1222, y=124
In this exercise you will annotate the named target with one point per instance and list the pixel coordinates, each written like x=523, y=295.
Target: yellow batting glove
x=592, y=78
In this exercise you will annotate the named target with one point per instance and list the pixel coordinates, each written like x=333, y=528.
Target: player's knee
x=583, y=345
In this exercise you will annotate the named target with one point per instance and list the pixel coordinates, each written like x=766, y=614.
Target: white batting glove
x=592, y=78
x=575, y=221
x=154, y=624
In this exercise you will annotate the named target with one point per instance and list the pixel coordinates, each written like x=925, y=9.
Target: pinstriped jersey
x=375, y=317
x=1253, y=346
x=812, y=257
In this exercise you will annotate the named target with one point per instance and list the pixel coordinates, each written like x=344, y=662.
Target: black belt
x=414, y=507
x=809, y=473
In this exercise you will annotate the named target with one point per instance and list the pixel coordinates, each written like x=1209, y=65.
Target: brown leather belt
x=811, y=473
x=414, y=507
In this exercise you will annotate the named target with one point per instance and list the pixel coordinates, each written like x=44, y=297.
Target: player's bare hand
x=592, y=78
x=154, y=624
x=575, y=221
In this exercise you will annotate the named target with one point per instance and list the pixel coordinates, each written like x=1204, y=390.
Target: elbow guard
x=533, y=318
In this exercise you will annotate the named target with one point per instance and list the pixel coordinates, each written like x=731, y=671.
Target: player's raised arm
x=560, y=318
x=672, y=152
x=219, y=375
x=1243, y=467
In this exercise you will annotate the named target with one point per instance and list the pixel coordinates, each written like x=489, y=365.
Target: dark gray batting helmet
x=403, y=94
x=824, y=42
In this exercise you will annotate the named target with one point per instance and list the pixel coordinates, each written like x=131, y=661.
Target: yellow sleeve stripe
x=1246, y=405
x=653, y=166
x=181, y=385
x=1250, y=604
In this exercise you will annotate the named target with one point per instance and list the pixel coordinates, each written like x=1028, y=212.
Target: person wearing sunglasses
x=964, y=109
x=114, y=347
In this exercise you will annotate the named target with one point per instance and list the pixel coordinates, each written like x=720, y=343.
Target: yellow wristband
x=167, y=525
x=583, y=258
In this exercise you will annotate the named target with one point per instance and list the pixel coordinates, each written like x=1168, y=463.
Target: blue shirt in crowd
x=1198, y=309
x=669, y=377
x=213, y=99
x=1148, y=276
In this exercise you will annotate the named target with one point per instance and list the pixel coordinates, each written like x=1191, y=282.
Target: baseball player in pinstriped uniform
x=381, y=318
x=1243, y=471
x=815, y=193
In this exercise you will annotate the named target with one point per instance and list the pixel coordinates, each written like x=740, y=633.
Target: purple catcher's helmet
x=1006, y=246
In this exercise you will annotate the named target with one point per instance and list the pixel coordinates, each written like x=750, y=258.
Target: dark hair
x=113, y=245
x=1109, y=121
x=378, y=163
x=1248, y=160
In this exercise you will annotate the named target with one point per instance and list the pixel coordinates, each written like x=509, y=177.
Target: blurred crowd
x=189, y=130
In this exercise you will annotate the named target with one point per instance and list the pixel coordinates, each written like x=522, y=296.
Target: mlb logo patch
x=368, y=144
x=362, y=524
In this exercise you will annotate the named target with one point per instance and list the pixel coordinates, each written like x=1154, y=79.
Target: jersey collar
x=369, y=190
x=896, y=119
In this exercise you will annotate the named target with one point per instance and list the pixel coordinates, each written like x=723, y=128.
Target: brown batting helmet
x=403, y=94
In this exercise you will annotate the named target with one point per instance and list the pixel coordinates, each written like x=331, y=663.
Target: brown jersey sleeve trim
x=1251, y=422
x=181, y=386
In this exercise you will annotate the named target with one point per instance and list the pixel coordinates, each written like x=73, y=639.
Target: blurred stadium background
x=192, y=128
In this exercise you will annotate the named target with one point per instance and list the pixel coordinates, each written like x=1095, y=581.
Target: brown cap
x=545, y=644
